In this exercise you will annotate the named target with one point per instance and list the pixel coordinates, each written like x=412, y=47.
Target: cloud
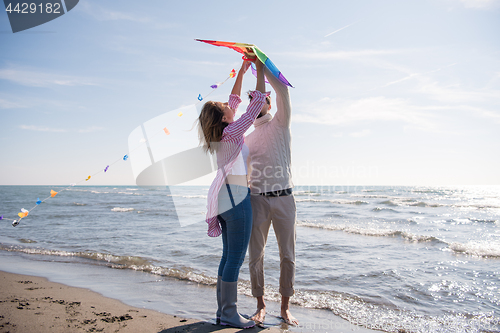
x=42, y=129
x=102, y=14
x=334, y=32
x=411, y=75
x=457, y=94
x=360, y=134
x=345, y=112
x=343, y=55
x=60, y=130
x=480, y=4
x=91, y=129
x=4, y=104
x=42, y=79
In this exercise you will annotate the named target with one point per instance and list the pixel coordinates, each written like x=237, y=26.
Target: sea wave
x=483, y=220
x=476, y=206
x=355, y=309
x=307, y=193
x=130, y=193
x=120, y=209
x=187, y=196
x=388, y=318
x=119, y=262
x=370, y=196
x=486, y=249
x=104, y=257
x=27, y=241
x=371, y=231
x=379, y=209
x=336, y=202
x=479, y=249
x=410, y=202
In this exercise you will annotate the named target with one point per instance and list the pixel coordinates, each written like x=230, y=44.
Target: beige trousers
x=281, y=212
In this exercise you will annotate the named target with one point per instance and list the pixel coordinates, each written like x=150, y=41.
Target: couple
x=243, y=215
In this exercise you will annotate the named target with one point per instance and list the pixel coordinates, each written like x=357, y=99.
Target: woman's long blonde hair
x=211, y=126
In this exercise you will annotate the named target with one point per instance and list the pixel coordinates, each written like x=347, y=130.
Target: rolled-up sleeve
x=234, y=101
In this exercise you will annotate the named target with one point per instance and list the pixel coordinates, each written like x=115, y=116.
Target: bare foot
x=259, y=315
x=288, y=318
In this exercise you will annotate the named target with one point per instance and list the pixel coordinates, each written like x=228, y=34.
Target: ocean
x=388, y=258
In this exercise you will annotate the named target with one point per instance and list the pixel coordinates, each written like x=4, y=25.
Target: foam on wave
x=355, y=309
x=371, y=231
x=120, y=209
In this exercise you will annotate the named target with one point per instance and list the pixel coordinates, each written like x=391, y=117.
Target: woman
x=229, y=210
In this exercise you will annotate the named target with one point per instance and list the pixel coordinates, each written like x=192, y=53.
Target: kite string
x=150, y=138
x=25, y=213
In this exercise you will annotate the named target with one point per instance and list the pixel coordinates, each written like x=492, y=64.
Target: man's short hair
x=268, y=98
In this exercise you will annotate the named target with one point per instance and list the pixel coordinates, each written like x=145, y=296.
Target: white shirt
x=240, y=165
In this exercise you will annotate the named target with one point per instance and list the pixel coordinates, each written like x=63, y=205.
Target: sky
x=385, y=92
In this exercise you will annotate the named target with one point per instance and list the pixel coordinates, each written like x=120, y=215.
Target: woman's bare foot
x=259, y=315
x=288, y=318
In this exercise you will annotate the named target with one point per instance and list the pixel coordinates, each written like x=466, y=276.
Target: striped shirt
x=230, y=147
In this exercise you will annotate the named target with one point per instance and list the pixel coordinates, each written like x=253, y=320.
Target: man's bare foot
x=259, y=315
x=288, y=318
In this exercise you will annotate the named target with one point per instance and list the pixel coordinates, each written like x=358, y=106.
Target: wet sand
x=34, y=304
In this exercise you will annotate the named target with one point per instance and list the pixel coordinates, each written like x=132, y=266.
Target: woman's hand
x=239, y=79
x=244, y=67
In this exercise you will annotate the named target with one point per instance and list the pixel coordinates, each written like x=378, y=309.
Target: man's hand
x=261, y=85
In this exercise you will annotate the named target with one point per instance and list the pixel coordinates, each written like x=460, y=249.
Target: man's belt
x=280, y=193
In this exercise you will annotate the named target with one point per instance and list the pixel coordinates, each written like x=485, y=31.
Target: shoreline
x=35, y=304
x=170, y=298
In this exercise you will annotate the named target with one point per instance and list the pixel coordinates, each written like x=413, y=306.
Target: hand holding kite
x=245, y=66
x=251, y=52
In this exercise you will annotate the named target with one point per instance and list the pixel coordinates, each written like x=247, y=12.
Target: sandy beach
x=34, y=304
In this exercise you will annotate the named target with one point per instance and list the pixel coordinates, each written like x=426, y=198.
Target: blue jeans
x=235, y=216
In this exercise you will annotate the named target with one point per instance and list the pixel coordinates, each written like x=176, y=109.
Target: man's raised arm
x=284, y=107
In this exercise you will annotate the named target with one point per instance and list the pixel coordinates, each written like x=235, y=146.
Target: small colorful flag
x=180, y=114
x=232, y=74
x=106, y=169
x=23, y=213
x=38, y=201
x=200, y=98
x=88, y=178
x=1, y=217
x=167, y=132
x=53, y=193
x=125, y=157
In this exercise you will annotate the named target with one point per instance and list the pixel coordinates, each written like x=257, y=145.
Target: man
x=272, y=199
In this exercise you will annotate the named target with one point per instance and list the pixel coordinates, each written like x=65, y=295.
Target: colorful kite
x=250, y=52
